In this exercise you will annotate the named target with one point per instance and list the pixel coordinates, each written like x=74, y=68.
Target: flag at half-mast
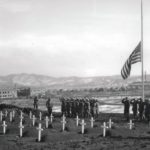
x=133, y=58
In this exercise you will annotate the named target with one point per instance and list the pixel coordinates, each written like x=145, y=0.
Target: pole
x=143, y=96
x=145, y=76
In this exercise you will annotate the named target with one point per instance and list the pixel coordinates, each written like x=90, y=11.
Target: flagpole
x=143, y=96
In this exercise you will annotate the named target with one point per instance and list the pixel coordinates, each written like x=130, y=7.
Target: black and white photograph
x=74, y=74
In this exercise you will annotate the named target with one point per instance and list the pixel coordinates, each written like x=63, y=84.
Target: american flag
x=133, y=58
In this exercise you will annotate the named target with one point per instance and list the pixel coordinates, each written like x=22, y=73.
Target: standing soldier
x=134, y=107
x=141, y=108
x=68, y=107
x=49, y=106
x=97, y=108
x=89, y=108
x=126, y=103
x=86, y=108
x=147, y=110
x=35, y=104
x=63, y=106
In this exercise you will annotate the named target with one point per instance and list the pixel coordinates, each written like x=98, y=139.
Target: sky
x=72, y=37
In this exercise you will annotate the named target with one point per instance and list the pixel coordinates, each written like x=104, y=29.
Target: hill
x=36, y=81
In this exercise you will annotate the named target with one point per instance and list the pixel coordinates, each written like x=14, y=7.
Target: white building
x=7, y=93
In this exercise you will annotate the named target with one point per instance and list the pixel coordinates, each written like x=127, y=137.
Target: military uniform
x=49, y=106
x=35, y=104
x=126, y=103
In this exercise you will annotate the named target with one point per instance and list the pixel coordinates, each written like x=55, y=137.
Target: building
x=38, y=91
x=6, y=93
x=138, y=85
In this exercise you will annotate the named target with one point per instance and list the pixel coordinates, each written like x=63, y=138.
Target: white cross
x=104, y=129
x=51, y=117
x=21, y=127
x=33, y=120
x=13, y=114
x=6, y=113
x=39, y=132
x=77, y=120
x=47, y=120
x=92, y=122
x=130, y=125
x=63, y=117
x=21, y=116
x=110, y=123
x=30, y=115
x=4, y=127
x=63, y=123
x=40, y=115
x=82, y=124
x=10, y=115
x=1, y=116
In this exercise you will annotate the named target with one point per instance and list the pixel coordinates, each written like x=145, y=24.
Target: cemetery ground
x=118, y=137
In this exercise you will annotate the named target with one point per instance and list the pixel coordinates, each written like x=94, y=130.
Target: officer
x=126, y=103
x=134, y=107
x=141, y=108
x=147, y=109
x=49, y=106
x=35, y=104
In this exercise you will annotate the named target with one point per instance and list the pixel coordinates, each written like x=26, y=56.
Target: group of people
x=140, y=108
x=49, y=105
x=83, y=107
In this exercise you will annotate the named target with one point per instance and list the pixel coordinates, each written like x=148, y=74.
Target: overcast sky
x=71, y=37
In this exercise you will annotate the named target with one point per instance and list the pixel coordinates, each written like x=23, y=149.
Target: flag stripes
x=133, y=58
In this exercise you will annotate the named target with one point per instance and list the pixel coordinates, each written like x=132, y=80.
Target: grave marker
x=21, y=127
x=11, y=116
x=6, y=113
x=110, y=123
x=51, y=118
x=82, y=126
x=104, y=129
x=47, y=120
x=77, y=120
x=130, y=125
x=39, y=132
x=30, y=115
x=40, y=116
x=92, y=122
x=63, y=123
x=1, y=116
x=4, y=127
x=21, y=116
x=33, y=120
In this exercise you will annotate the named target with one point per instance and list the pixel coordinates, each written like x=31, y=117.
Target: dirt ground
x=117, y=138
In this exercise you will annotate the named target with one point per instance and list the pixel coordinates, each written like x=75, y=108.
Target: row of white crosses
x=63, y=123
x=92, y=124
x=11, y=115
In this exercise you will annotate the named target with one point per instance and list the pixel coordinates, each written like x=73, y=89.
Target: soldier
x=63, y=106
x=89, y=108
x=92, y=107
x=35, y=104
x=86, y=108
x=49, y=106
x=68, y=107
x=126, y=103
x=147, y=110
x=141, y=108
x=134, y=107
x=97, y=108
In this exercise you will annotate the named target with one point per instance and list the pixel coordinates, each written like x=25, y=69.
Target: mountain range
x=41, y=81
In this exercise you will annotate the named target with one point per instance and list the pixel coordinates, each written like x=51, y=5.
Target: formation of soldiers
x=140, y=108
x=83, y=107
